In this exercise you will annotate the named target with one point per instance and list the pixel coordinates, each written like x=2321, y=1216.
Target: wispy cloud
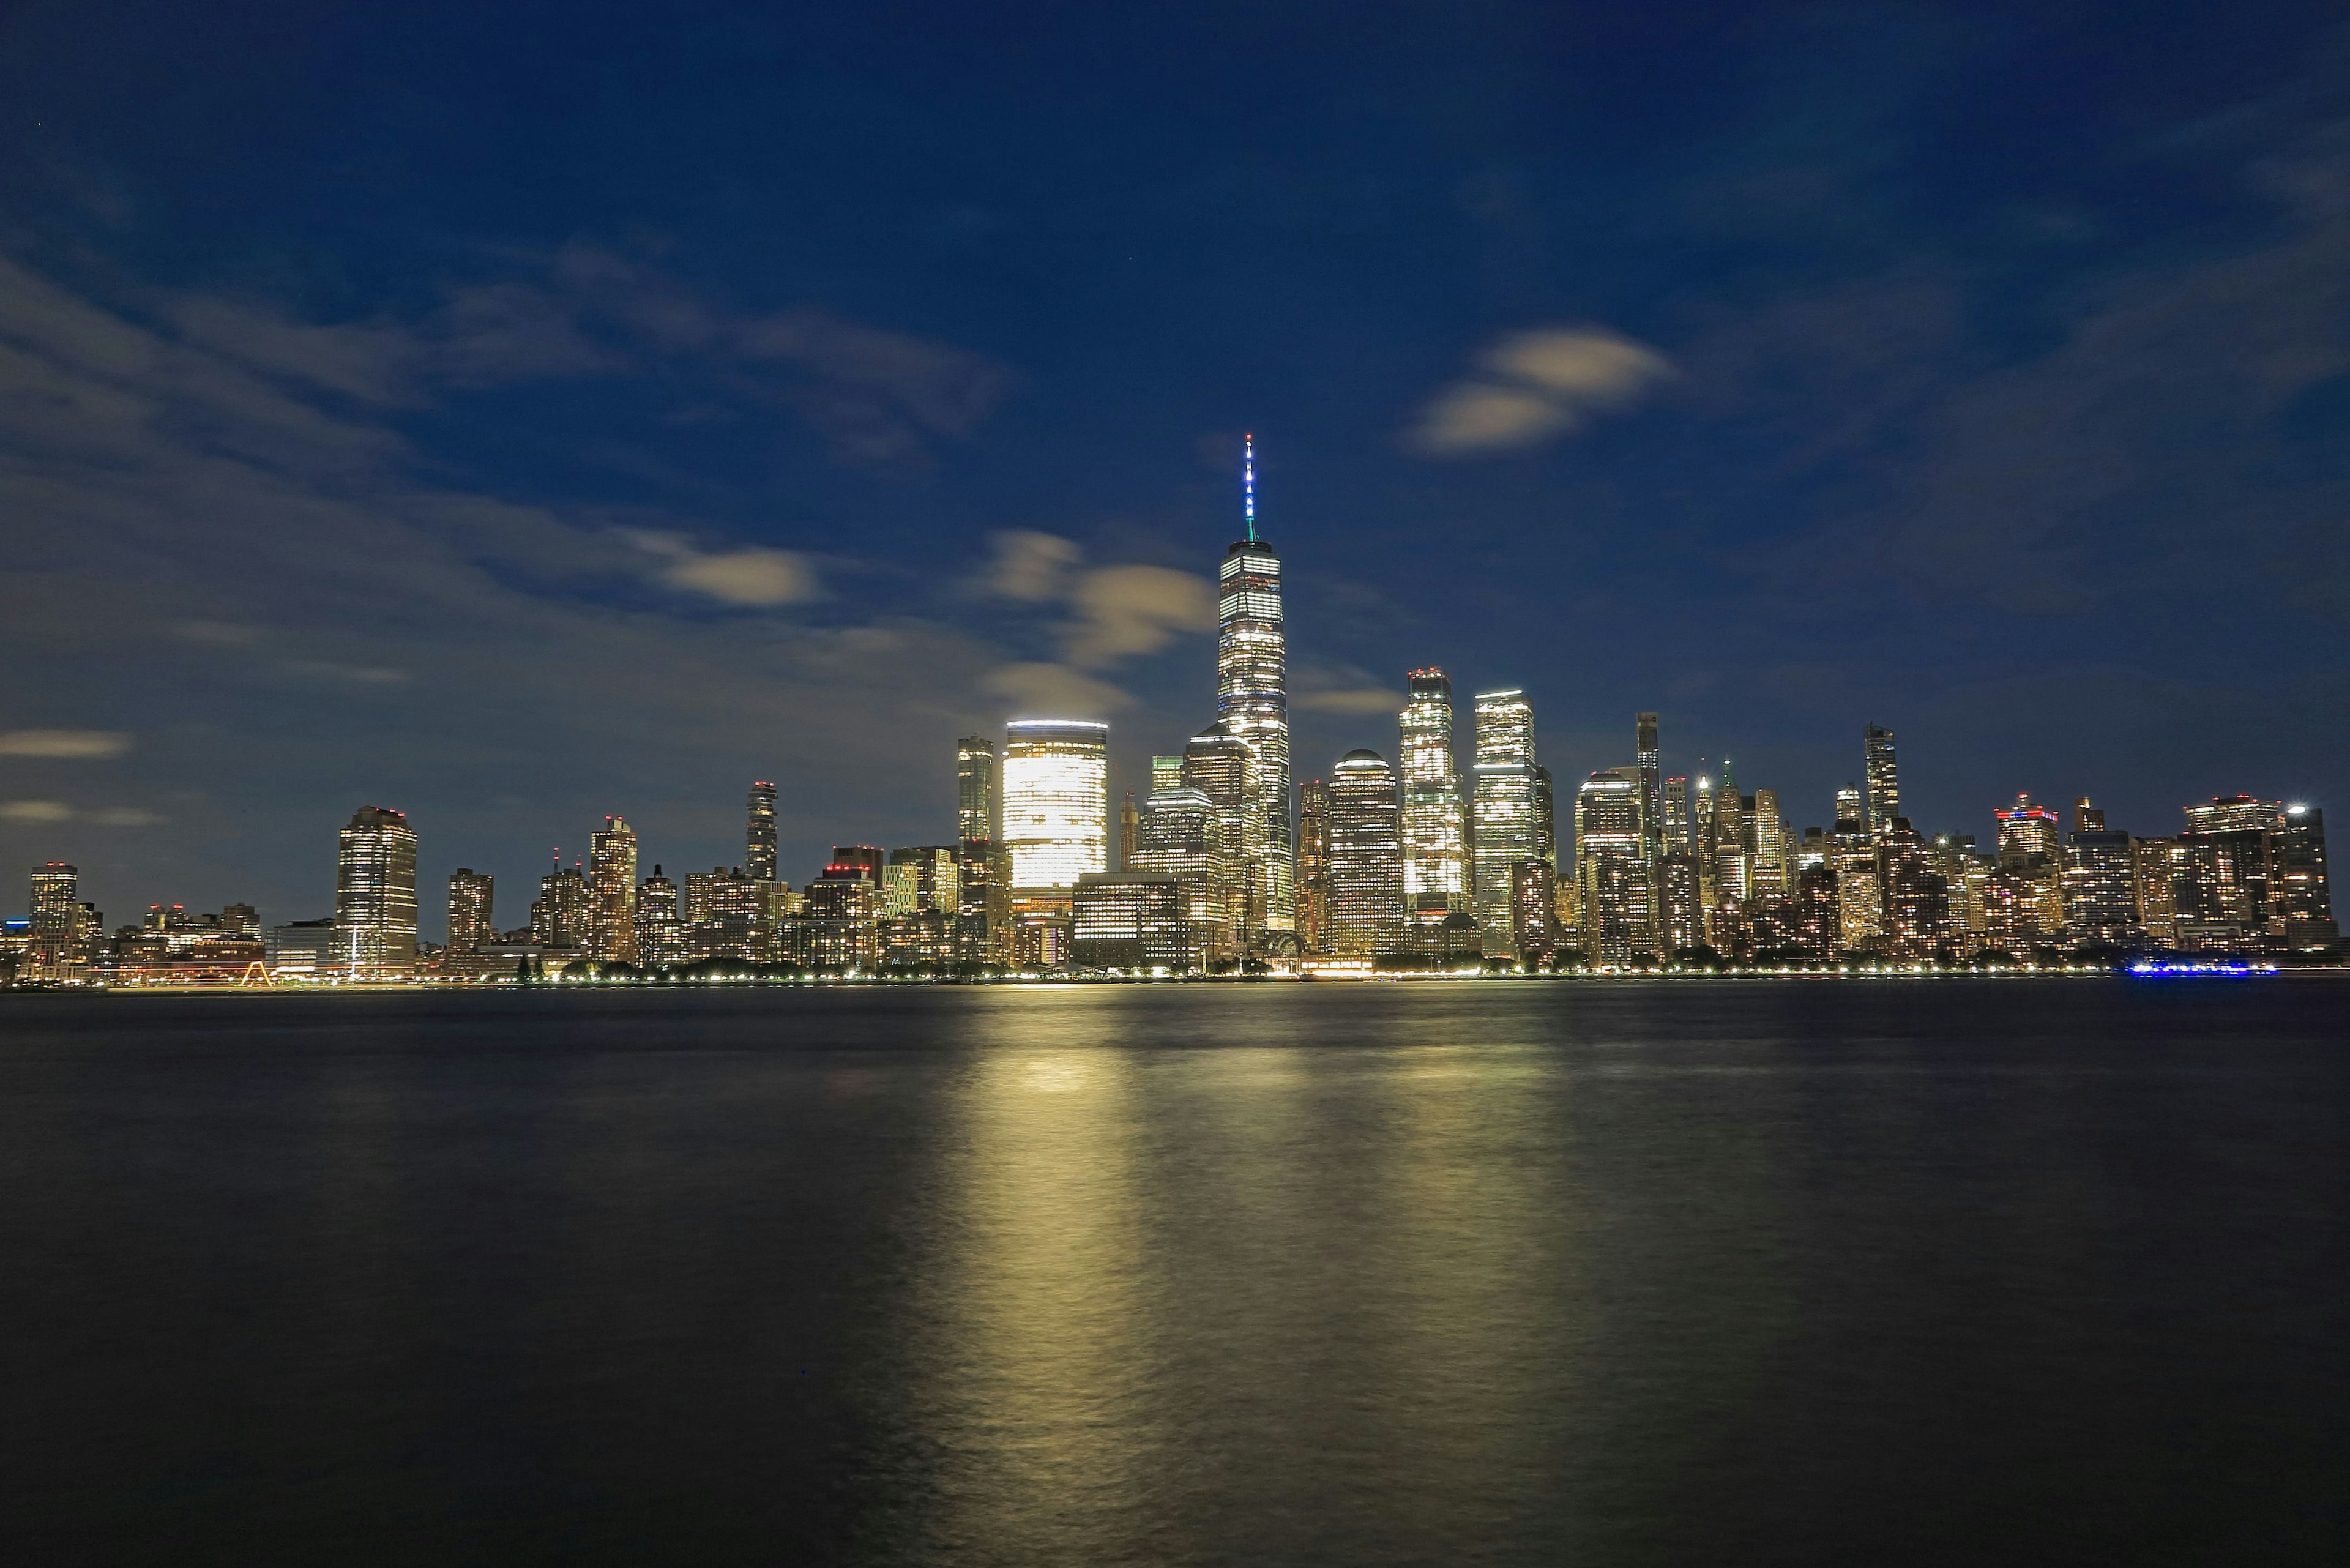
x=45, y=813
x=1054, y=691
x=1532, y=385
x=61, y=743
x=749, y=578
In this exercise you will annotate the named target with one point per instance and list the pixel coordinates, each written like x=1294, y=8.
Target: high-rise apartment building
x=730, y=915
x=1252, y=696
x=1055, y=807
x=2300, y=905
x=472, y=915
x=2226, y=869
x=1312, y=867
x=1435, y=832
x=562, y=916
x=1610, y=840
x=1367, y=857
x=1534, y=912
x=612, y=892
x=1884, y=781
x=57, y=948
x=2099, y=891
x=375, y=897
x=2155, y=867
x=1770, y=876
x=1680, y=901
x=661, y=937
x=759, y=833
x=1504, y=781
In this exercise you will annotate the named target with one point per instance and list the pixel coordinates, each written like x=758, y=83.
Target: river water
x=1495, y=1272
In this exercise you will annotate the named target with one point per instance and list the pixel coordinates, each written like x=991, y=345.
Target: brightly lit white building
x=1056, y=804
x=1504, y=797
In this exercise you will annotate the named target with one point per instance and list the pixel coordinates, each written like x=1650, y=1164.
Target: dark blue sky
x=515, y=414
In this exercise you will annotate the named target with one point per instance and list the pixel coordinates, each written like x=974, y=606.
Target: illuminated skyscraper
x=375, y=897
x=612, y=891
x=1435, y=835
x=1128, y=820
x=984, y=874
x=57, y=948
x=975, y=789
x=1545, y=818
x=1770, y=876
x=1252, y=696
x=1056, y=806
x=1848, y=807
x=1367, y=865
x=662, y=937
x=759, y=838
x=1166, y=773
x=472, y=922
x=1181, y=834
x=1646, y=757
x=1884, y=783
x=2100, y=881
x=1222, y=767
x=1503, y=773
x=2300, y=902
x=1673, y=833
x=560, y=916
x=1617, y=922
x=1313, y=865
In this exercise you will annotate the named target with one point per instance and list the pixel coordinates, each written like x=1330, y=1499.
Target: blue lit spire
x=1248, y=483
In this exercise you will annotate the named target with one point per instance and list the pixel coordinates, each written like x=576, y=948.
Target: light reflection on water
x=1508, y=1273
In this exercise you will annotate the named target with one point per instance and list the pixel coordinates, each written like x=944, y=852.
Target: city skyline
x=1772, y=378
x=1424, y=861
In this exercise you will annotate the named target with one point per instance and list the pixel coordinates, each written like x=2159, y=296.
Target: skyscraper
x=1366, y=864
x=1646, y=758
x=662, y=937
x=1545, y=818
x=1617, y=922
x=57, y=951
x=1884, y=783
x=472, y=920
x=984, y=880
x=2300, y=902
x=759, y=838
x=1673, y=833
x=375, y=897
x=1252, y=693
x=1128, y=820
x=1435, y=837
x=1056, y=806
x=1223, y=767
x=2100, y=881
x=612, y=891
x=975, y=789
x=561, y=917
x=1312, y=867
x=1503, y=776
x=1181, y=835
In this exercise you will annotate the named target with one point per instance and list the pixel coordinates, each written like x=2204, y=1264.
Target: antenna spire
x=1248, y=483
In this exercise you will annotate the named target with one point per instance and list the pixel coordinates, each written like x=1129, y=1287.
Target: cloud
x=1352, y=700
x=750, y=578
x=1325, y=688
x=63, y=743
x=1054, y=691
x=218, y=633
x=1125, y=611
x=48, y=811
x=355, y=674
x=1028, y=565
x=1532, y=386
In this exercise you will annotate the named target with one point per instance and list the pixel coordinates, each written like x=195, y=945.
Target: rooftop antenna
x=1248, y=483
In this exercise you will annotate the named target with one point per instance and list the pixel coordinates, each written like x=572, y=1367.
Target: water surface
x=1501, y=1272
